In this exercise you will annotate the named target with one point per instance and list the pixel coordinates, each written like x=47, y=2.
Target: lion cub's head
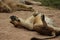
x=15, y=20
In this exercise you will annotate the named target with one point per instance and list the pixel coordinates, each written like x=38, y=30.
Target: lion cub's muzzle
x=14, y=20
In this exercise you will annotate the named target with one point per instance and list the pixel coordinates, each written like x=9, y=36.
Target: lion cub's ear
x=43, y=17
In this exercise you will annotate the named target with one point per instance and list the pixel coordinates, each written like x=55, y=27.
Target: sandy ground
x=9, y=32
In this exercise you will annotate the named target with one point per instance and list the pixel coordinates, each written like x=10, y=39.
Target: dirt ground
x=9, y=32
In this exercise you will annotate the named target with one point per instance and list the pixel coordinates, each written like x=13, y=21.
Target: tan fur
x=14, y=5
x=31, y=2
x=38, y=20
x=45, y=27
x=4, y=7
x=27, y=23
x=41, y=24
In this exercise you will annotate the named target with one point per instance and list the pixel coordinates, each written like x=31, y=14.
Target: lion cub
x=13, y=5
x=39, y=23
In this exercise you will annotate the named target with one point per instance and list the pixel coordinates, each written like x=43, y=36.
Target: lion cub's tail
x=34, y=38
x=53, y=36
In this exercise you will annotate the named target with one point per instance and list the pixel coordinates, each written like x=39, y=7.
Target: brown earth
x=9, y=32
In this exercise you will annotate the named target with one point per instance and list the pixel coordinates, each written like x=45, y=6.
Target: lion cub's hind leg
x=24, y=7
x=20, y=7
x=29, y=2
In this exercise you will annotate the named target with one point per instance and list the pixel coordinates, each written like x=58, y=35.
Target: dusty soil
x=9, y=32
